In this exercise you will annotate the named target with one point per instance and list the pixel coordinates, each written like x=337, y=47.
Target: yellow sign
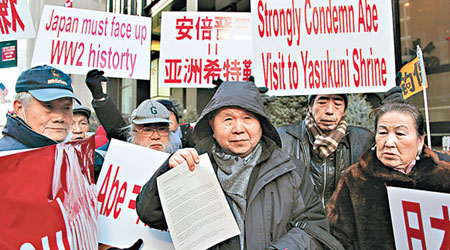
x=411, y=82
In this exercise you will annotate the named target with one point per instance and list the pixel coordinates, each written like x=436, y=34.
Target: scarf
x=324, y=145
x=233, y=173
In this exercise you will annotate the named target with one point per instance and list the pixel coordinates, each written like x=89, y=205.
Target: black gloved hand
x=393, y=95
x=94, y=79
x=136, y=246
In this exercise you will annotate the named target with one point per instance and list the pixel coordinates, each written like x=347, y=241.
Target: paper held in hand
x=195, y=207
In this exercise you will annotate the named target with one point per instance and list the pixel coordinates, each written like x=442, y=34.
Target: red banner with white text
x=48, y=198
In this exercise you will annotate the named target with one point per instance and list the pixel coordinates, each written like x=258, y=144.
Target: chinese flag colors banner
x=48, y=198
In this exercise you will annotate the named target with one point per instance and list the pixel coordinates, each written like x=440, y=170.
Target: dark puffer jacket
x=283, y=212
x=18, y=135
x=359, y=209
x=325, y=174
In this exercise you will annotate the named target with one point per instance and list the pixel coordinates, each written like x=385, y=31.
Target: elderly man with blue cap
x=42, y=109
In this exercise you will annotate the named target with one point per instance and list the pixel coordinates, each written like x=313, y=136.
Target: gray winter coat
x=283, y=212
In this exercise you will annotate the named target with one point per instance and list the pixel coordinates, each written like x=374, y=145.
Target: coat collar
x=371, y=166
x=19, y=130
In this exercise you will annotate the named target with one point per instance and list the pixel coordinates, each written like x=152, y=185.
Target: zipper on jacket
x=272, y=217
x=324, y=182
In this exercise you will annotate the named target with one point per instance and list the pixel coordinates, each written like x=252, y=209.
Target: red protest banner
x=48, y=198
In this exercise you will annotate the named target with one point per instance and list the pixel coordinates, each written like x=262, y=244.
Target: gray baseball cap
x=150, y=112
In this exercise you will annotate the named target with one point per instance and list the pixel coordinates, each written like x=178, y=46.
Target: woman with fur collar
x=358, y=211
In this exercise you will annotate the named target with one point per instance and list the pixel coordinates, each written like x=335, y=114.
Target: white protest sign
x=126, y=169
x=77, y=40
x=15, y=21
x=195, y=208
x=323, y=47
x=420, y=219
x=199, y=47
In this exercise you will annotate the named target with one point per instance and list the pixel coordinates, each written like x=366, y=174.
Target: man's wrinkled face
x=52, y=119
x=327, y=111
x=80, y=125
x=154, y=136
x=236, y=130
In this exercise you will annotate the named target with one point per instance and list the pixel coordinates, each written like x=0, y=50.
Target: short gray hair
x=24, y=98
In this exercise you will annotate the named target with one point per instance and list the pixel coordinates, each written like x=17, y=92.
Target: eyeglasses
x=148, y=131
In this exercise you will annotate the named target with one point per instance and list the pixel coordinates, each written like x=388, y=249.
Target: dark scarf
x=324, y=145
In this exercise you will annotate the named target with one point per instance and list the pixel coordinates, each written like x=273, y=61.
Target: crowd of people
x=316, y=184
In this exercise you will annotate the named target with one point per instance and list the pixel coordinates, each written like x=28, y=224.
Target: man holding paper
x=273, y=203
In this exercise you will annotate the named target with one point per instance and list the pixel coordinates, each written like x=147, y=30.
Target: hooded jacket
x=359, y=209
x=281, y=203
x=18, y=135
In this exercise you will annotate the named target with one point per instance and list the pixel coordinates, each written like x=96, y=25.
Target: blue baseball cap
x=45, y=83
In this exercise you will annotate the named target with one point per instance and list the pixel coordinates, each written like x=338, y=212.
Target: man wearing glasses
x=149, y=126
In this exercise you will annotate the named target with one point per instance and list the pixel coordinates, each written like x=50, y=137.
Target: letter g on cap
x=153, y=110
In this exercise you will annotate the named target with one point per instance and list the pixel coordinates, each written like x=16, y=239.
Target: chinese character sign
x=323, y=47
x=77, y=40
x=15, y=20
x=126, y=169
x=199, y=47
x=420, y=219
x=48, y=198
x=411, y=79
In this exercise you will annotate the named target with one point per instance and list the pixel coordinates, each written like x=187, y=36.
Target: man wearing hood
x=273, y=203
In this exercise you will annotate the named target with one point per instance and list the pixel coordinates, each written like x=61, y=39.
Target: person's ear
x=421, y=142
x=19, y=108
x=211, y=125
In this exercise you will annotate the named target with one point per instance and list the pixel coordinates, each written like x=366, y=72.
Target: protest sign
x=199, y=47
x=126, y=169
x=8, y=50
x=15, y=21
x=411, y=79
x=196, y=210
x=76, y=40
x=420, y=219
x=48, y=198
x=322, y=47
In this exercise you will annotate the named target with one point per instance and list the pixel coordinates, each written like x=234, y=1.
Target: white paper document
x=195, y=207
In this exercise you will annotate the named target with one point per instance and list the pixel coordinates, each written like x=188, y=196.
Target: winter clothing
x=186, y=136
x=298, y=142
x=359, y=209
x=110, y=117
x=18, y=135
x=324, y=145
x=281, y=206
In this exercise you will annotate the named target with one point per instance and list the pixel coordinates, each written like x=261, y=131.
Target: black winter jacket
x=325, y=174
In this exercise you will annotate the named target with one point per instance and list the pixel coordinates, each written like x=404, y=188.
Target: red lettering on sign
x=204, y=30
x=368, y=16
x=184, y=26
x=247, y=71
x=212, y=70
x=232, y=69
x=223, y=26
x=194, y=70
x=118, y=196
x=173, y=71
x=416, y=233
x=5, y=24
x=444, y=225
